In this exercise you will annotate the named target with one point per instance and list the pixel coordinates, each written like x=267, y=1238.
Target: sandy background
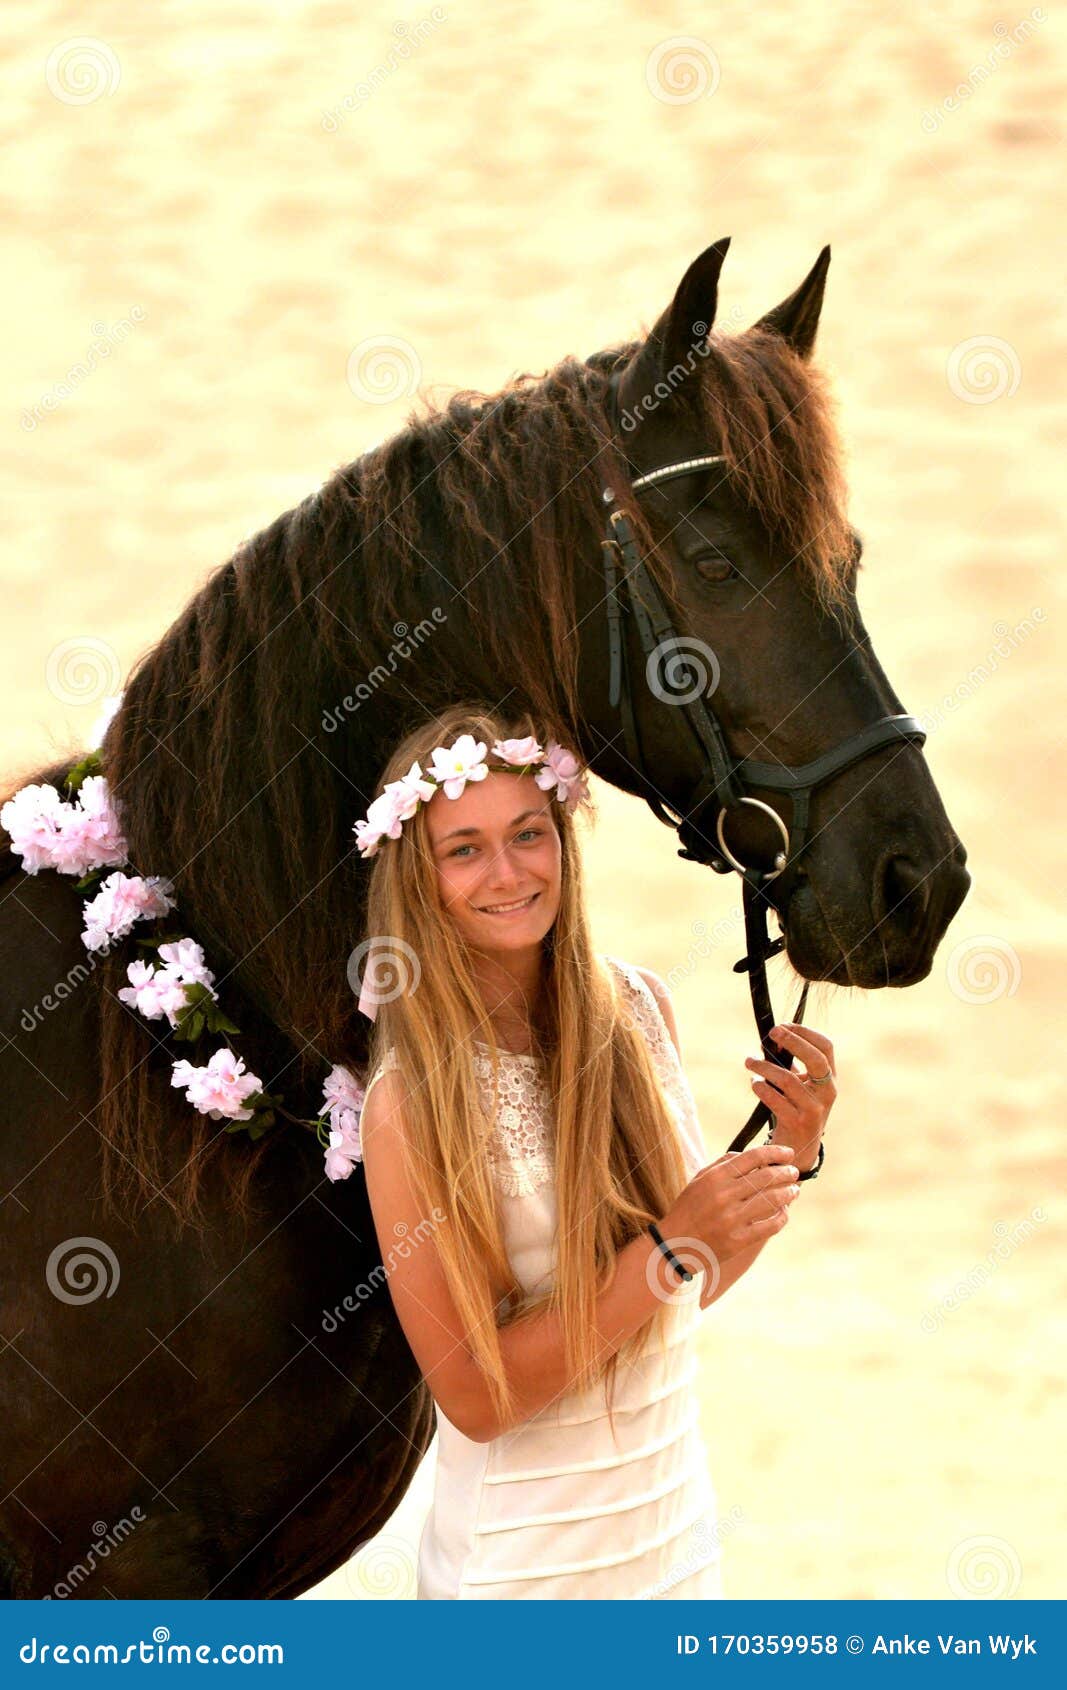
x=211, y=207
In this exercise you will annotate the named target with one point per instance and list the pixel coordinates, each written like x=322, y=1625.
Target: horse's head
x=771, y=657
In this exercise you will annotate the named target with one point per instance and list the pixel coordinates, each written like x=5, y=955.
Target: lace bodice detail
x=521, y=1143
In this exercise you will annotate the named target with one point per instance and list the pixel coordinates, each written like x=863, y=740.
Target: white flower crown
x=452, y=766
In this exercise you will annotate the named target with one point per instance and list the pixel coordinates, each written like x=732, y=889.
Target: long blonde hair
x=618, y=1161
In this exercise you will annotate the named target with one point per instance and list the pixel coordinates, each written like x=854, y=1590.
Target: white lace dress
x=557, y=1507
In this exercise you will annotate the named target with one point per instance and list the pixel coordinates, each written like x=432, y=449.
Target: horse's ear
x=797, y=318
x=680, y=334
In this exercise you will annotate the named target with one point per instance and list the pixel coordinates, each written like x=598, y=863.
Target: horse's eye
x=715, y=569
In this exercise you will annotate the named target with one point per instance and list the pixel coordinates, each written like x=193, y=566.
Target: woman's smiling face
x=497, y=843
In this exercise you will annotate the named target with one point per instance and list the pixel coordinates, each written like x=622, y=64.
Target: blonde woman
x=526, y=1120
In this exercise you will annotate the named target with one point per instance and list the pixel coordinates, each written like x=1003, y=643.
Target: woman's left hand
x=800, y=1107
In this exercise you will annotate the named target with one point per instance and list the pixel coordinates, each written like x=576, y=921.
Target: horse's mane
x=230, y=784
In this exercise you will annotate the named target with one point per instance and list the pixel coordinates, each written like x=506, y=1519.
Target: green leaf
x=220, y=1023
x=190, y=1025
x=89, y=765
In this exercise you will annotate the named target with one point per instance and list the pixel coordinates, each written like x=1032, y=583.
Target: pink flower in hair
x=409, y=791
x=185, y=960
x=90, y=833
x=341, y=1090
x=220, y=1088
x=146, y=992
x=464, y=760
x=161, y=991
x=562, y=771
x=518, y=751
x=577, y=793
x=381, y=821
x=122, y=900
x=343, y=1097
x=34, y=817
x=342, y=1156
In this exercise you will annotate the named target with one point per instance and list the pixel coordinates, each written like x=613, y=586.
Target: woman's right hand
x=738, y=1201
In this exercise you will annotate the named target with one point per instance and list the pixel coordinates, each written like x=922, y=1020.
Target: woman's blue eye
x=536, y=831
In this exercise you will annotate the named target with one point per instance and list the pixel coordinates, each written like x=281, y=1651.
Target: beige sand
x=512, y=191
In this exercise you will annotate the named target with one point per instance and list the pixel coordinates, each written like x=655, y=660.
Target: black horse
x=191, y=1407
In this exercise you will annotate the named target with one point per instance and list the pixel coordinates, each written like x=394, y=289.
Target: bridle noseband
x=724, y=777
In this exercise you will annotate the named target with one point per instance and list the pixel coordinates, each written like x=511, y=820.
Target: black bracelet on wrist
x=813, y=1171
x=682, y=1272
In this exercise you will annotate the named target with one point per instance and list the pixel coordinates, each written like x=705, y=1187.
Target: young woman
x=526, y=1121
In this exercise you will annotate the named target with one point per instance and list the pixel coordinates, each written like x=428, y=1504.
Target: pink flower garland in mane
x=83, y=836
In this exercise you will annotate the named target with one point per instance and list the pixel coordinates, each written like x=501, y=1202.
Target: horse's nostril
x=903, y=880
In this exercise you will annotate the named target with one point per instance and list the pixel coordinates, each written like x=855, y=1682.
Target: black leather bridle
x=724, y=779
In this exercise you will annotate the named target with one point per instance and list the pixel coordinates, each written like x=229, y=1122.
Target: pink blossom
x=90, y=833
x=409, y=791
x=577, y=792
x=381, y=821
x=154, y=992
x=185, y=960
x=157, y=991
x=145, y=991
x=518, y=751
x=34, y=818
x=122, y=900
x=339, y=1160
x=346, y=1148
x=367, y=838
x=220, y=1087
x=341, y=1090
x=462, y=761
x=562, y=771
x=343, y=1098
